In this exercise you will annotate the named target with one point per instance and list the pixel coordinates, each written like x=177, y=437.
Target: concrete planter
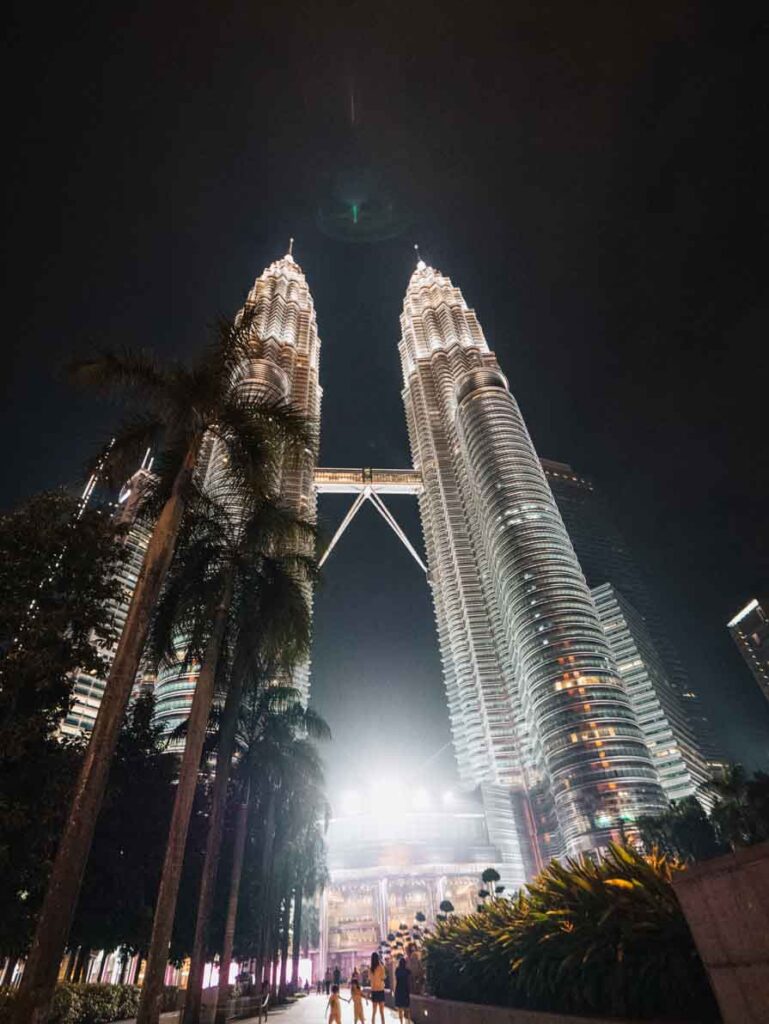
x=444, y=1011
x=726, y=902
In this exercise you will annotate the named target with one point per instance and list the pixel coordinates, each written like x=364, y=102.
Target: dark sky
x=594, y=177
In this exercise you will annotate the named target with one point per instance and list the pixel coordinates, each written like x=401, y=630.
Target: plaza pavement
x=312, y=1010
x=309, y=1010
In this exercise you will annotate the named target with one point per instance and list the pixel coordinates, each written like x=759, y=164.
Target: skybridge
x=369, y=484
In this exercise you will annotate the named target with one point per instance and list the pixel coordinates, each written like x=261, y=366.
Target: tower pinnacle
x=421, y=265
x=290, y=254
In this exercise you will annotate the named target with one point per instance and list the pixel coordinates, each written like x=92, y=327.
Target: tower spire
x=290, y=253
x=421, y=265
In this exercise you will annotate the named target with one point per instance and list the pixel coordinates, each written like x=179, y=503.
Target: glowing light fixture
x=749, y=607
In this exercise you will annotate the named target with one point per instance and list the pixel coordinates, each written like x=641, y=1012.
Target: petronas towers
x=541, y=720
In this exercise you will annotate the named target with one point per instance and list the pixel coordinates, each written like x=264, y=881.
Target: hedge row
x=89, y=1004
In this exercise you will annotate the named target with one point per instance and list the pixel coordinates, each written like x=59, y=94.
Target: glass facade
x=89, y=689
x=750, y=631
x=283, y=366
x=535, y=699
x=679, y=765
x=605, y=558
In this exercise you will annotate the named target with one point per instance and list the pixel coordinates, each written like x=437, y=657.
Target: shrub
x=6, y=998
x=89, y=1004
x=604, y=937
x=93, y=1004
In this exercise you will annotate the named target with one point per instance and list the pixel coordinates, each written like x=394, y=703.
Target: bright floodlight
x=421, y=799
x=350, y=801
x=448, y=798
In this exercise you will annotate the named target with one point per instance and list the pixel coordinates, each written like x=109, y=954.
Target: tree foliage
x=121, y=879
x=602, y=937
x=739, y=817
x=740, y=814
x=286, y=776
x=58, y=566
x=684, y=830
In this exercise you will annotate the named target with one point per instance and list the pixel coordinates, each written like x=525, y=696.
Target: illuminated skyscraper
x=606, y=558
x=535, y=700
x=283, y=366
x=88, y=689
x=750, y=631
x=680, y=766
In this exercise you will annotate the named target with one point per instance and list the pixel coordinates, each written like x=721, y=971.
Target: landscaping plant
x=600, y=936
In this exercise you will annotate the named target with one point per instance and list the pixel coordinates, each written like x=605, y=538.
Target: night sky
x=592, y=175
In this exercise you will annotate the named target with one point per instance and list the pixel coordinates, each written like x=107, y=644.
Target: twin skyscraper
x=541, y=717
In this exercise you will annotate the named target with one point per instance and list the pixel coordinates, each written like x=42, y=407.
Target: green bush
x=84, y=1004
x=6, y=998
x=90, y=1004
x=93, y=1004
x=604, y=937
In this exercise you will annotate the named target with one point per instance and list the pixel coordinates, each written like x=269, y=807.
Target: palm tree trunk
x=165, y=908
x=229, y=723
x=285, y=919
x=239, y=848
x=100, y=976
x=123, y=967
x=265, y=938
x=83, y=962
x=70, y=968
x=297, y=937
x=274, y=964
x=78, y=970
x=36, y=991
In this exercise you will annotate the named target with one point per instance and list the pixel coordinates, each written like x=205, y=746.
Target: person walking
x=337, y=976
x=377, y=975
x=327, y=980
x=356, y=998
x=414, y=964
x=402, y=989
x=334, y=1006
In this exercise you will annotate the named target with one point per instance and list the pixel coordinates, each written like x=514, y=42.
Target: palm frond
x=120, y=457
x=126, y=374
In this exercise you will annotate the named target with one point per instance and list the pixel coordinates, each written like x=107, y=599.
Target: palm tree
x=682, y=830
x=304, y=866
x=274, y=758
x=311, y=875
x=272, y=626
x=187, y=408
x=236, y=563
x=740, y=806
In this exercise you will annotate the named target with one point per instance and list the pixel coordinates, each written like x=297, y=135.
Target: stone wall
x=444, y=1011
x=726, y=902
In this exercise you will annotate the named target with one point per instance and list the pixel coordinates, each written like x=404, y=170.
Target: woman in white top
x=377, y=987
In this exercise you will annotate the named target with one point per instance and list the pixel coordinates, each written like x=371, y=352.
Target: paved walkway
x=309, y=1010
x=312, y=1010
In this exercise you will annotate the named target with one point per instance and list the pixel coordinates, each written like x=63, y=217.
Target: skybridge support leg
x=384, y=511
x=369, y=494
x=354, y=509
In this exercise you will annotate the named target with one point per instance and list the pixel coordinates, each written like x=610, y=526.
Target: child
x=334, y=1006
x=356, y=998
